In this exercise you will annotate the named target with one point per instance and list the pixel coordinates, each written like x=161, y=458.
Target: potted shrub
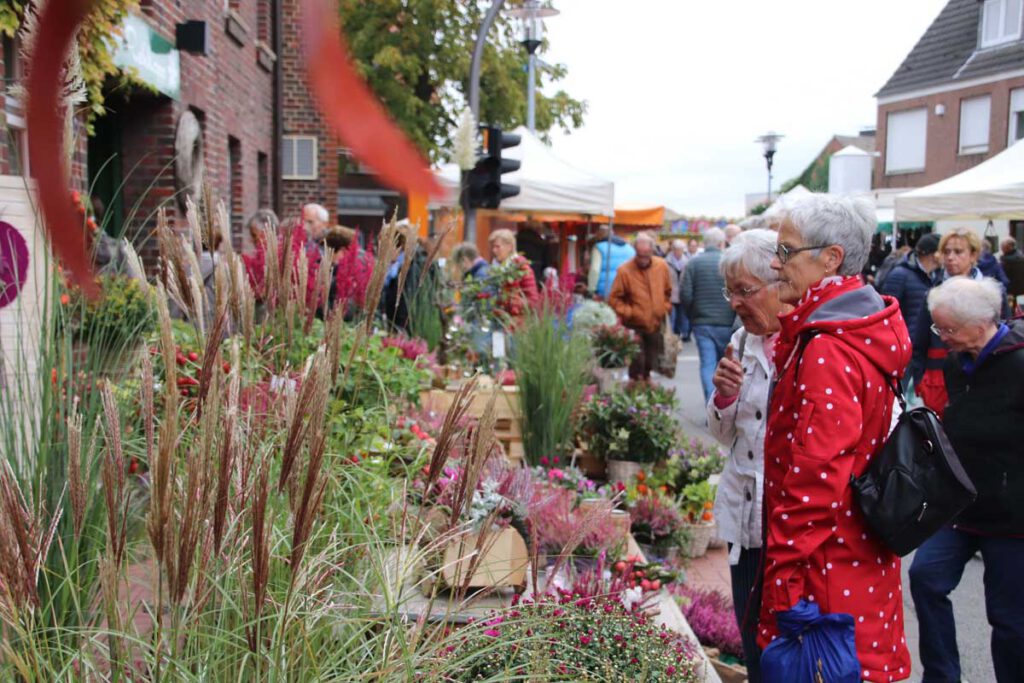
x=656, y=525
x=697, y=501
x=711, y=616
x=628, y=429
x=614, y=347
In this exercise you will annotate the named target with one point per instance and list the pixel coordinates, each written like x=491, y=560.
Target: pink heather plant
x=712, y=618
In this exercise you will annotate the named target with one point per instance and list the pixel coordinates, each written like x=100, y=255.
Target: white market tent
x=992, y=190
x=547, y=183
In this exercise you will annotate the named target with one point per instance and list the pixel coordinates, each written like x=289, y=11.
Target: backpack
x=916, y=485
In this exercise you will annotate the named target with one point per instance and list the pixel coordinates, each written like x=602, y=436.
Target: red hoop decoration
x=351, y=109
x=63, y=226
x=13, y=263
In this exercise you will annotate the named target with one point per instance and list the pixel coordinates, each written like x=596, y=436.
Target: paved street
x=968, y=600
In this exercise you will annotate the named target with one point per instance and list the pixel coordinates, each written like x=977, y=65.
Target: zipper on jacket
x=924, y=507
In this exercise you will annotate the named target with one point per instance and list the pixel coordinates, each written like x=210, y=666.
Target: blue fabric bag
x=811, y=648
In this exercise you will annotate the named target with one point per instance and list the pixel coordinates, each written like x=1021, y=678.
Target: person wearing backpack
x=838, y=353
x=984, y=421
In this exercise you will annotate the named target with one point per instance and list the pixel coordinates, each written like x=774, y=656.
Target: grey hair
x=645, y=237
x=320, y=211
x=967, y=300
x=827, y=219
x=466, y=250
x=754, y=223
x=753, y=251
x=678, y=244
x=714, y=238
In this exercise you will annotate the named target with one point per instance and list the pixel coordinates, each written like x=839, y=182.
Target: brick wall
x=302, y=118
x=942, y=157
x=230, y=93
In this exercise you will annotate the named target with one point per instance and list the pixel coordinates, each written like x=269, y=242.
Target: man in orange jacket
x=642, y=296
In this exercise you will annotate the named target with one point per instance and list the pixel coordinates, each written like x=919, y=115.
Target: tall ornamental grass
x=552, y=370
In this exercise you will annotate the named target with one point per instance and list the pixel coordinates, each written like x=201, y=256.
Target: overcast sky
x=678, y=90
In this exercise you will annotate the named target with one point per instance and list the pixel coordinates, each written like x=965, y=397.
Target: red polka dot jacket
x=829, y=414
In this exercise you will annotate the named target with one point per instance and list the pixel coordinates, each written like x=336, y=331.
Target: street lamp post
x=532, y=16
x=769, y=141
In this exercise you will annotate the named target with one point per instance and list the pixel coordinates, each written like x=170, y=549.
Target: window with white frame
x=905, y=141
x=299, y=157
x=975, y=114
x=1000, y=22
x=1016, y=128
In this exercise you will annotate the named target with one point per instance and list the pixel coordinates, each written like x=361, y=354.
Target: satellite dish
x=13, y=263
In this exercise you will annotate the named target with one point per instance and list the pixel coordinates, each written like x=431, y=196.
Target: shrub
x=655, y=519
x=694, y=461
x=122, y=314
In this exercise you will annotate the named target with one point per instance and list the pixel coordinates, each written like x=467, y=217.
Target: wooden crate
x=506, y=414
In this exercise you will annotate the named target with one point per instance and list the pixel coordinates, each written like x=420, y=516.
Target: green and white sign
x=152, y=56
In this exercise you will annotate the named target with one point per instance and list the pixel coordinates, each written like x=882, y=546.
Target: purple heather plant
x=655, y=518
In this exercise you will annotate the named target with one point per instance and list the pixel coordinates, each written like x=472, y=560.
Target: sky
x=679, y=90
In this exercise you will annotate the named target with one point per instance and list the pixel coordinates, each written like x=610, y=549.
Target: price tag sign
x=498, y=344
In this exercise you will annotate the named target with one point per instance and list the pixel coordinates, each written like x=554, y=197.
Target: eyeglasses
x=784, y=253
x=944, y=331
x=744, y=293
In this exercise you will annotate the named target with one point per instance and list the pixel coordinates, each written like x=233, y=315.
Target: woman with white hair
x=736, y=417
x=839, y=353
x=985, y=423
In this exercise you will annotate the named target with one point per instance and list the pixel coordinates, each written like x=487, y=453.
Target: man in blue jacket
x=608, y=254
x=909, y=283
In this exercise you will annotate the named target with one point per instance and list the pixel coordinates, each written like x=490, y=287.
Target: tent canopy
x=992, y=190
x=547, y=183
x=637, y=214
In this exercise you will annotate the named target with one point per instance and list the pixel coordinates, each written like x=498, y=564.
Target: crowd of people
x=801, y=359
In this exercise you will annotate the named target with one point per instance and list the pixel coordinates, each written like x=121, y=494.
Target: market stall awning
x=992, y=190
x=635, y=214
x=547, y=183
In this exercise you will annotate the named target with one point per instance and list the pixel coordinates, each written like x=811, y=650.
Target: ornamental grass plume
x=410, y=241
x=24, y=544
x=387, y=247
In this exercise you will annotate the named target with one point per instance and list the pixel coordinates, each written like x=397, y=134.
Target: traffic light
x=485, y=189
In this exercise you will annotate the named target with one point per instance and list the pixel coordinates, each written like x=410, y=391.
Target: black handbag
x=916, y=485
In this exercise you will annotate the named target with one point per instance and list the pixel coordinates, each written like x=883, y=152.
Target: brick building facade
x=957, y=98
x=229, y=91
x=310, y=170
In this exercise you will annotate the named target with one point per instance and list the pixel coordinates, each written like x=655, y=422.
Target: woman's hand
x=728, y=375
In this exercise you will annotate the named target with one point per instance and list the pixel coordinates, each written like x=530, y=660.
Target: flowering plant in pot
x=562, y=526
x=697, y=501
x=711, y=616
x=694, y=461
x=628, y=426
x=566, y=637
x=614, y=346
x=656, y=524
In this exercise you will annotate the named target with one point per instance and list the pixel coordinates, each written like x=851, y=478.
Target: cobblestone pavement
x=712, y=570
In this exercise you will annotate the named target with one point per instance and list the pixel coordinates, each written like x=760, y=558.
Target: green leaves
x=416, y=55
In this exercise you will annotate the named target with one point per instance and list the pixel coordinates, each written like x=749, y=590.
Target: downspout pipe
x=278, y=122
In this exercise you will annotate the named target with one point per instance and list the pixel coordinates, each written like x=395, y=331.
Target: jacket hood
x=1013, y=340
x=858, y=317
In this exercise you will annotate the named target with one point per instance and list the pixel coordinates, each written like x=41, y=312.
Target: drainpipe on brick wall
x=278, y=113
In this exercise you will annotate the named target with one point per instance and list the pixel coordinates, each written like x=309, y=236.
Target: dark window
x=263, y=190
x=235, y=181
x=10, y=49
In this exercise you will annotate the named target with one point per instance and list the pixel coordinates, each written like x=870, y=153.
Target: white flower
x=464, y=142
x=630, y=597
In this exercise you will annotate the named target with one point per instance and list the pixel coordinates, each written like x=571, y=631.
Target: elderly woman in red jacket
x=839, y=353
x=521, y=293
